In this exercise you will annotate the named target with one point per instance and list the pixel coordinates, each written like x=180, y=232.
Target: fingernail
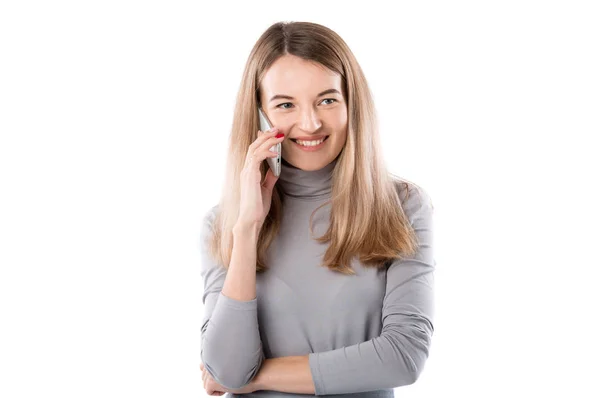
x=279, y=135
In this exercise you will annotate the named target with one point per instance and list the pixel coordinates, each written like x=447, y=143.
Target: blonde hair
x=367, y=219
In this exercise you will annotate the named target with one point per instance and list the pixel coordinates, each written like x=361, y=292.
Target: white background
x=114, y=118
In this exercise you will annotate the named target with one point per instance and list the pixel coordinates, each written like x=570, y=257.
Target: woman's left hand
x=215, y=389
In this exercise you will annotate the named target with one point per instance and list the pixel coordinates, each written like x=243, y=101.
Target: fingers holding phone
x=255, y=196
x=274, y=162
x=262, y=145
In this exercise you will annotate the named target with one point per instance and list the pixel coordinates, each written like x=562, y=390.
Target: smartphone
x=275, y=162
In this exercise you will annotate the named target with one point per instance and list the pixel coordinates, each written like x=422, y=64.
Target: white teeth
x=310, y=143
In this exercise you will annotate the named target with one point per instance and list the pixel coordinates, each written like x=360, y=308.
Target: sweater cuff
x=313, y=361
x=237, y=304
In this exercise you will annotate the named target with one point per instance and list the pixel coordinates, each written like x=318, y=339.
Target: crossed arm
x=393, y=359
x=287, y=374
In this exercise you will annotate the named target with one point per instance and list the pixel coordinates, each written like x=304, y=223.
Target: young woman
x=319, y=281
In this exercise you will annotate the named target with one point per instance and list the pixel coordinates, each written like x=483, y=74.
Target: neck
x=302, y=184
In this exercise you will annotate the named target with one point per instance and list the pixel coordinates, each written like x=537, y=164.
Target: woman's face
x=292, y=98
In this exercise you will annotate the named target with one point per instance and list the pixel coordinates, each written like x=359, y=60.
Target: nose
x=309, y=120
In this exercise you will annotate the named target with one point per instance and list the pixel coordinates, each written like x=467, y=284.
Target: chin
x=307, y=165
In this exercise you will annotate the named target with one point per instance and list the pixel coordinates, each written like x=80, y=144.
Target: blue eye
x=326, y=99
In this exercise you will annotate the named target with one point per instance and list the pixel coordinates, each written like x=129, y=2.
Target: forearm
x=231, y=345
x=286, y=374
x=240, y=282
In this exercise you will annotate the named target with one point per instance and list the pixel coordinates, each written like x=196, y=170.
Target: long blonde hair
x=367, y=219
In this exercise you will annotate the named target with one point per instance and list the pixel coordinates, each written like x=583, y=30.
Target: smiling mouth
x=296, y=141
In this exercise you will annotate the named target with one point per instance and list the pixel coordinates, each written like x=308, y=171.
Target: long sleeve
x=398, y=355
x=231, y=349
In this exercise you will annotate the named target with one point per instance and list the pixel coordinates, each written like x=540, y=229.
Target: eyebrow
x=281, y=96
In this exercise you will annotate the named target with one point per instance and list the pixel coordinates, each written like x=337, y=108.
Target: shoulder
x=208, y=220
x=415, y=200
x=206, y=234
x=210, y=214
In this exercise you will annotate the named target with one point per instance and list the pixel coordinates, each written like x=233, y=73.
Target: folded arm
x=231, y=349
x=396, y=357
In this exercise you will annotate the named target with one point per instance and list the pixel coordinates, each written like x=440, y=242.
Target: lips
x=311, y=148
x=310, y=138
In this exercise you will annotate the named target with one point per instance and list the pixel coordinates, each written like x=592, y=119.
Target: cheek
x=341, y=127
x=341, y=119
x=337, y=122
x=340, y=140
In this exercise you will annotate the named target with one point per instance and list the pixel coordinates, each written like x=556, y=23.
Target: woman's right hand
x=255, y=197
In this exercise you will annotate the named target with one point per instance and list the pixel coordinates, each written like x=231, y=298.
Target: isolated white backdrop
x=114, y=119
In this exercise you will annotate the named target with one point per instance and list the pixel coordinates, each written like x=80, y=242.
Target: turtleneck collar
x=302, y=184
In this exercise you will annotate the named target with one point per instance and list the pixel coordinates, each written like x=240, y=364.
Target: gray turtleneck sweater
x=365, y=334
